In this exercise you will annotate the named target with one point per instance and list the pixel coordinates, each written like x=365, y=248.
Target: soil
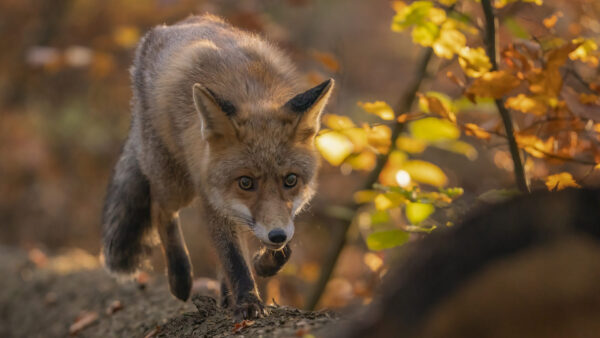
x=54, y=301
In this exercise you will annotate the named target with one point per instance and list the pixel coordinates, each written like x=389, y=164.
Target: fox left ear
x=309, y=106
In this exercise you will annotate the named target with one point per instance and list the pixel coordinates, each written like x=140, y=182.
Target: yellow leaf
x=459, y=147
x=364, y=160
x=378, y=108
x=474, y=61
x=526, y=104
x=334, y=147
x=494, y=84
x=358, y=137
x=379, y=137
x=436, y=15
x=365, y=196
x=425, y=172
x=410, y=145
x=450, y=41
x=418, y=212
x=433, y=129
x=560, y=181
x=337, y=122
x=534, y=145
x=474, y=130
x=585, y=52
x=388, y=200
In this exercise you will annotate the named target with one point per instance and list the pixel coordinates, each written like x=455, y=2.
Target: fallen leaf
x=84, y=320
x=152, y=332
x=114, y=307
x=38, y=257
x=241, y=325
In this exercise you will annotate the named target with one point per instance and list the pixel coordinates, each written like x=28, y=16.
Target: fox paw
x=268, y=262
x=249, y=307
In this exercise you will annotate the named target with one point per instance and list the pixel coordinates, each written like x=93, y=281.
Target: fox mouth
x=273, y=246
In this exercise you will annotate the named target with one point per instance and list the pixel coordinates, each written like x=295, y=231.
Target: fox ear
x=309, y=106
x=215, y=113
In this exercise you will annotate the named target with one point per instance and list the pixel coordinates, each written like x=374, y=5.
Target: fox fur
x=218, y=114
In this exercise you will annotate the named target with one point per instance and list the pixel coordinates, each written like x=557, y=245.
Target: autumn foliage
x=535, y=77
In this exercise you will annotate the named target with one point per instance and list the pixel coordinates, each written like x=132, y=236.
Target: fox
x=218, y=115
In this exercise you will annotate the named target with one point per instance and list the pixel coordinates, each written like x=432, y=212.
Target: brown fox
x=217, y=113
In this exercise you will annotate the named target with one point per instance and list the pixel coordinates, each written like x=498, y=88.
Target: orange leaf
x=526, y=104
x=474, y=130
x=83, y=321
x=588, y=98
x=550, y=21
x=494, y=84
x=437, y=107
x=561, y=181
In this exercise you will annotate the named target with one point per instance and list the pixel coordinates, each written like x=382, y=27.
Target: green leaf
x=425, y=34
x=388, y=239
x=516, y=29
x=379, y=217
x=497, y=195
x=414, y=14
x=418, y=212
x=433, y=129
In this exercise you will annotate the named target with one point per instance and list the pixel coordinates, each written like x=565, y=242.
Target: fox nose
x=277, y=236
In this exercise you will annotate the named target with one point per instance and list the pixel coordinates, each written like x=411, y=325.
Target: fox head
x=259, y=159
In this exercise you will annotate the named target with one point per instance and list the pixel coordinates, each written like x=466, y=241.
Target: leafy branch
x=404, y=105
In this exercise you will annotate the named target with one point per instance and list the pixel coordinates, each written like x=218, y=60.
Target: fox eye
x=246, y=183
x=290, y=180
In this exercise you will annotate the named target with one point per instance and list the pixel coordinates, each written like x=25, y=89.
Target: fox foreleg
x=268, y=262
x=240, y=288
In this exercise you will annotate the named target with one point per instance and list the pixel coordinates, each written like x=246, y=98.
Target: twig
x=403, y=105
x=491, y=47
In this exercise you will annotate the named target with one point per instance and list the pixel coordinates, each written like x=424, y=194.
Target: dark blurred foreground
x=526, y=268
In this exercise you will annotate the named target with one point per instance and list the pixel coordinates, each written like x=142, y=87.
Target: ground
x=70, y=294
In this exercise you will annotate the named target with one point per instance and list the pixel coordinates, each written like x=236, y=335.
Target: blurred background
x=64, y=114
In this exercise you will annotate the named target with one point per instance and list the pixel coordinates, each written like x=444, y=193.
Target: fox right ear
x=215, y=112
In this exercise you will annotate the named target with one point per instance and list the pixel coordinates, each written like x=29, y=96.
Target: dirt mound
x=44, y=302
